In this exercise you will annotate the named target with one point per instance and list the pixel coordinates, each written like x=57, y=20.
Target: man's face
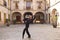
x=30, y=17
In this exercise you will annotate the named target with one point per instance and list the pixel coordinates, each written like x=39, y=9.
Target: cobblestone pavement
x=37, y=31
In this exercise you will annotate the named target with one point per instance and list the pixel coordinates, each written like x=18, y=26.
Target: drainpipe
x=45, y=11
x=10, y=12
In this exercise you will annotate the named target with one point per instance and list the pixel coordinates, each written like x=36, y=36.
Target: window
x=0, y=16
x=39, y=4
x=5, y=3
x=28, y=0
x=16, y=6
x=28, y=5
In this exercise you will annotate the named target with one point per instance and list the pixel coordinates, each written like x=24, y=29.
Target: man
x=27, y=22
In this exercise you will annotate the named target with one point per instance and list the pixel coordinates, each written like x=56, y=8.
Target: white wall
x=57, y=7
x=21, y=5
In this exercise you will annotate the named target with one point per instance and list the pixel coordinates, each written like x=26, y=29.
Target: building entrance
x=16, y=17
x=39, y=17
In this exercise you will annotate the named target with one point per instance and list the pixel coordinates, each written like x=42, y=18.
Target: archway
x=26, y=15
x=16, y=17
x=39, y=17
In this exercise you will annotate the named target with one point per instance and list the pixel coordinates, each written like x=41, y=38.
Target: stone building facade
x=20, y=9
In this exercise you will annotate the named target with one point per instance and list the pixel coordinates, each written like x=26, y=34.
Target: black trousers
x=26, y=30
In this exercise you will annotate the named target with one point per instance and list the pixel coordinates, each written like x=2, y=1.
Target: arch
x=26, y=15
x=39, y=17
x=16, y=17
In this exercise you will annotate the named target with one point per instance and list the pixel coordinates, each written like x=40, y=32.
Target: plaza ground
x=37, y=31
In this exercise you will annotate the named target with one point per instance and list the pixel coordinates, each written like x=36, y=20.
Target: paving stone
x=37, y=31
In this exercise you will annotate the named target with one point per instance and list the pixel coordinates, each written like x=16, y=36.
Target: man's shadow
x=28, y=39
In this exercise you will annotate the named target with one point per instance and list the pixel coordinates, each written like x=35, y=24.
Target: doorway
x=16, y=17
x=39, y=17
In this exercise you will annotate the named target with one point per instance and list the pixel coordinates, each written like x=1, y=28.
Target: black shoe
x=29, y=37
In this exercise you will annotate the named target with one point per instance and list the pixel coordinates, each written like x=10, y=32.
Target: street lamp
x=45, y=11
